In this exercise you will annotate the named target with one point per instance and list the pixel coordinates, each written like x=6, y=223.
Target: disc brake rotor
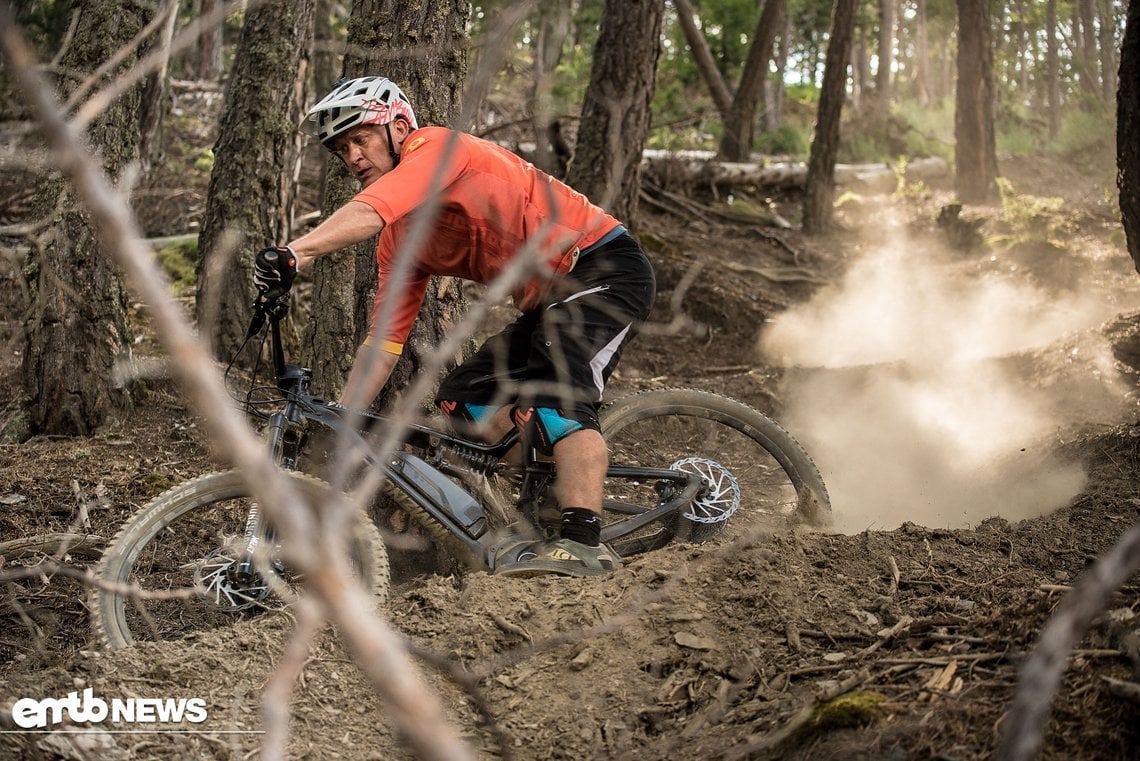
x=225, y=587
x=719, y=498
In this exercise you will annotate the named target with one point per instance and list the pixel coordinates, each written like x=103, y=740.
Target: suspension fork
x=254, y=525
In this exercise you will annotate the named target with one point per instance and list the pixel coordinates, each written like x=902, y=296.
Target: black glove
x=274, y=269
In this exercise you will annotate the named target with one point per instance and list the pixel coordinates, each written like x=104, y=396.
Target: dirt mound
x=688, y=653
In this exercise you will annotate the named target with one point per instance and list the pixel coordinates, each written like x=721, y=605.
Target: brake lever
x=257, y=321
x=264, y=307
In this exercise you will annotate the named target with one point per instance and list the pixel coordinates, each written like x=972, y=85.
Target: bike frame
x=427, y=482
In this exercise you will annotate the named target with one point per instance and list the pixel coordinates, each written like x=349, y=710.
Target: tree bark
x=253, y=184
x=976, y=150
x=615, y=113
x=736, y=143
x=550, y=152
x=77, y=330
x=921, y=56
x=861, y=89
x=152, y=111
x=1107, y=49
x=1087, y=57
x=885, y=53
x=209, y=63
x=1128, y=132
x=774, y=116
x=702, y=55
x=326, y=66
x=1052, y=67
x=817, y=205
x=422, y=47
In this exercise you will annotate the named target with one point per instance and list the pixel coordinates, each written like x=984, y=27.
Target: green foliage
x=1016, y=140
x=1028, y=218
x=205, y=161
x=907, y=189
x=804, y=93
x=687, y=136
x=861, y=147
x=178, y=261
x=1090, y=128
x=787, y=140
x=926, y=130
x=728, y=27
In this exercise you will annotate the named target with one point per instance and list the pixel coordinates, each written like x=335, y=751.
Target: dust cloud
x=930, y=391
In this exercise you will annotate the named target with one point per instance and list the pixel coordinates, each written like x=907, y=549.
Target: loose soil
x=720, y=650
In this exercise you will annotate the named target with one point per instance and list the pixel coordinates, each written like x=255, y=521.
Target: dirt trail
x=693, y=652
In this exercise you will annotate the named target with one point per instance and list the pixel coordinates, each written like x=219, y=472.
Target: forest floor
x=971, y=405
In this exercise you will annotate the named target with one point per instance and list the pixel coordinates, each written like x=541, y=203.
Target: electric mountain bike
x=683, y=463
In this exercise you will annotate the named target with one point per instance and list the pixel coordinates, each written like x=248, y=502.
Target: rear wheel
x=173, y=568
x=750, y=467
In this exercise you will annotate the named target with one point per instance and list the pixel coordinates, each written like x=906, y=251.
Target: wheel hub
x=228, y=586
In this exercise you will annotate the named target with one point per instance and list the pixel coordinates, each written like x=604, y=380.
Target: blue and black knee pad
x=465, y=416
x=546, y=426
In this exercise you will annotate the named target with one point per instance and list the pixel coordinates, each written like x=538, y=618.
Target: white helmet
x=366, y=100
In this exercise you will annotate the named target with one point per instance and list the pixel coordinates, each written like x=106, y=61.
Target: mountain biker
x=588, y=290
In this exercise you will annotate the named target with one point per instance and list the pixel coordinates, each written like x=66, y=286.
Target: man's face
x=364, y=150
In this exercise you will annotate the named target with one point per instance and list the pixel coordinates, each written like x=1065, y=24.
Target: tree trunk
x=152, y=110
x=861, y=89
x=1128, y=132
x=250, y=200
x=975, y=145
x=422, y=47
x=1107, y=49
x=702, y=55
x=774, y=116
x=885, y=53
x=1087, y=56
x=209, y=63
x=1020, y=31
x=1052, y=66
x=615, y=114
x=550, y=153
x=77, y=331
x=921, y=56
x=736, y=143
x=326, y=66
x=820, y=192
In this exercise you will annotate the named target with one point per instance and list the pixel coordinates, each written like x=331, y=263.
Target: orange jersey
x=489, y=205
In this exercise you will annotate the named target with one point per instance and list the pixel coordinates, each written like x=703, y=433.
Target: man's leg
x=581, y=459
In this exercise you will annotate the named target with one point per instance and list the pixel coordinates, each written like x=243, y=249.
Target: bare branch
x=1042, y=671
x=318, y=552
x=279, y=688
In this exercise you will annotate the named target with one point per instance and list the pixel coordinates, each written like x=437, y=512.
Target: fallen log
x=701, y=168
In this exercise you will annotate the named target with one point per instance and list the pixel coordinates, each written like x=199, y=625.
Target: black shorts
x=561, y=354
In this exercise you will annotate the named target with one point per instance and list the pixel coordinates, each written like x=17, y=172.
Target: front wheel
x=749, y=466
x=173, y=569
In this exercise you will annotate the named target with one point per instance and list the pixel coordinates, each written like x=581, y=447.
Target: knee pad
x=462, y=415
x=546, y=426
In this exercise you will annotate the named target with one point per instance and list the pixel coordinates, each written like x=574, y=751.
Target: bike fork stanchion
x=254, y=525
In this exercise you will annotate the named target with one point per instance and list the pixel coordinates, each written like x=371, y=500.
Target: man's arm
x=350, y=224
x=370, y=371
